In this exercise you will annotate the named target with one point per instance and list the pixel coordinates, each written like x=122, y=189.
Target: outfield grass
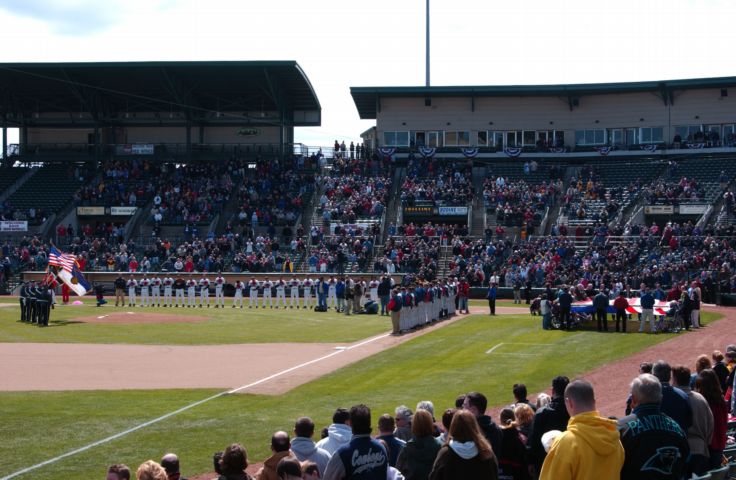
x=224, y=326
x=437, y=366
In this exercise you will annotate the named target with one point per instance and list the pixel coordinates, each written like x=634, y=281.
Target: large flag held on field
x=586, y=306
x=66, y=268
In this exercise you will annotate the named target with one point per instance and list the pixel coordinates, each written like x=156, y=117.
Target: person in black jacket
x=552, y=416
x=384, y=293
x=565, y=301
x=655, y=445
x=476, y=403
x=600, y=303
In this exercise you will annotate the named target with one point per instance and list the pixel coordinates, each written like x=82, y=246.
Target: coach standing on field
x=119, y=290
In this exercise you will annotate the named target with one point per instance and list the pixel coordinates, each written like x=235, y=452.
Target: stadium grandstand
x=191, y=166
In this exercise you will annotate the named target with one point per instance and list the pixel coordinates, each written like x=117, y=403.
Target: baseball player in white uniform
x=308, y=284
x=204, y=291
x=191, y=293
x=132, y=283
x=156, y=291
x=267, y=284
x=219, y=291
x=373, y=290
x=168, y=283
x=144, y=283
x=253, y=293
x=294, y=290
x=238, y=298
x=281, y=292
x=331, y=294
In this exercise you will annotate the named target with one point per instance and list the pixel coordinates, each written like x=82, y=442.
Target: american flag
x=64, y=260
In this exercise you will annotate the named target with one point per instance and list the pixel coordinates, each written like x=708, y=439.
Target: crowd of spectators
x=415, y=254
x=676, y=421
x=273, y=196
x=336, y=253
x=350, y=197
x=517, y=202
x=669, y=192
x=436, y=183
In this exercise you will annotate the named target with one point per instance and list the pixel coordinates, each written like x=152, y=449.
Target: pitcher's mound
x=132, y=317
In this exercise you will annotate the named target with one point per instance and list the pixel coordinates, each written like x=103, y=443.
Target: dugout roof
x=367, y=98
x=109, y=90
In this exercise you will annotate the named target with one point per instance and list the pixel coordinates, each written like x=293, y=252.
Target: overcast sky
x=344, y=43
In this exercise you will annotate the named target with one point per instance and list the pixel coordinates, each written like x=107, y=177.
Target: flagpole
x=427, y=49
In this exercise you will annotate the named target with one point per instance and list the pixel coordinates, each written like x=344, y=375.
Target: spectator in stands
x=708, y=385
x=417, y=457
x=118, y=472
x=289, y=469
x=170, y=462
x=403, y=416
x=590, y=447
x=476, y=403
x=700, y=432
x=339, y=433
x=553, y=416
x=674, y=401
x=372, y=456
x=466, y=453
x=233, y=463
x=280, y=448
x=654, y=442
x=304, y=447
x=520, y=394
x=513, y=461
x=394, y=445
x=150, y=470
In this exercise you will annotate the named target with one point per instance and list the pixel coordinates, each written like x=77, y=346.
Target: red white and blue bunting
x=427, y=152
x=387, y=151
x=471, y=152
x=512, y=151
x=604, y=150
x=695, y=145
x=649, y=148
x=557, y=150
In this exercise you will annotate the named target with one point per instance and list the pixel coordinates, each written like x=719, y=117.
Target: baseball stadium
x=181, y=281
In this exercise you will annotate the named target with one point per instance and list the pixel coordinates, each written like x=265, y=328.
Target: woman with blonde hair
x=150, y=470
x=417, y=457
x=466, y=454
x=524, y=420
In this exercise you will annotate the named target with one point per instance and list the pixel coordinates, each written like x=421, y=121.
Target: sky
x=344, y=43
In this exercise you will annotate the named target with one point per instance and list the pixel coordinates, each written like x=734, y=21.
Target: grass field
x=437, y=366
x=224, y=326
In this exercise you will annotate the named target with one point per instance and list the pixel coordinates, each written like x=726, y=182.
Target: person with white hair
x=655, y=445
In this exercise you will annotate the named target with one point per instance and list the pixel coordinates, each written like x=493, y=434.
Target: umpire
x=120, y=290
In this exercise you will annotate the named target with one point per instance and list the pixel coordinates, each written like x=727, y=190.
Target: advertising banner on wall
x=13, y=226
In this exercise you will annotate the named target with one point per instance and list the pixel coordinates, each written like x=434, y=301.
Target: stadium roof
x=109, y=89
x=367, y=98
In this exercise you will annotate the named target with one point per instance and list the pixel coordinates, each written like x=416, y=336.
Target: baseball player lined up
x=308, y=284
x=238, y=298
x=204, y=292
x=332, y=294
x=191, y=293
x=168, y=283
x=281, y=292
x=253, y=286
x=267, y=285
x=294, y=290
x=156, y=292
x=131, y=284
x=219, y=291
x=144, y=283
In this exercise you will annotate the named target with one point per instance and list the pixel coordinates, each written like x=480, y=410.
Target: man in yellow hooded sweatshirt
x=590, y=448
